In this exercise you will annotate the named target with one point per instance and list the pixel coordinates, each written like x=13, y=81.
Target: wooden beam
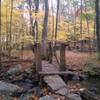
x=58, y=73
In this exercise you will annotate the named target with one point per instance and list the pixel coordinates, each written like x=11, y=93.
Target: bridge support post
x=62, y=57
x=50, y=52
x=38, y=58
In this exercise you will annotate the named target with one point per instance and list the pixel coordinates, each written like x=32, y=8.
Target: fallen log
x=60, y=73
x=17, y=61
x=87, y=95
x=57, y=73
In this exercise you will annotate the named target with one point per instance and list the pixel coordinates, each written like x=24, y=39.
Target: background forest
x=75, y=21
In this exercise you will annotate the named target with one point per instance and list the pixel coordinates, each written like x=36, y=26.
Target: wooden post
x=37, y=53
x=62, y=57
x=50, y=52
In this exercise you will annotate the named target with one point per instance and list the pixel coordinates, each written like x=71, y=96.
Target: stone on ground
x=7, y=88
x=46, y=98
x=56, y=83
x=14, y=70
x=74, y=97
x=62, y=91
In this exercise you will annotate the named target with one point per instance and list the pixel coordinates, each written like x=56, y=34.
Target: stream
x=92, y=84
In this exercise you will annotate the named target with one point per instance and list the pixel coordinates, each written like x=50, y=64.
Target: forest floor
x=75, y=60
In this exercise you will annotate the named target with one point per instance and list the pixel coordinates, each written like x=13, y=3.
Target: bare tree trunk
x=35, y=27
x=10, y=38
x=88, y=27
x=45, y=30
x=97, y=2
x=68, y=17
x=0, y=33
x=31, y=19
x=94, y=34
x=6, y=26
x=57, y=14
x=81, y=30
x=75, y=26
x=52, y=20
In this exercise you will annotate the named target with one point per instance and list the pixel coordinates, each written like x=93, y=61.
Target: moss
x=98, y=55
x=92, y=68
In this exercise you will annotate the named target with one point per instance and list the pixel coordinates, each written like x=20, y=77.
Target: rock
x=46, y=98
x=74, y=97
x=26, y=84
x=26, y=96
x=14, y=70
x=55, y=82
x=28, y=70
x=28, y=81
x=76, y=78
x=7, y=88
x=5, y=97
x=62, y=92
x=37, y=91
x=93, y=89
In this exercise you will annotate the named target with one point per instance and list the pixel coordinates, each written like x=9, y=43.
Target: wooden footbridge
x=50, y=72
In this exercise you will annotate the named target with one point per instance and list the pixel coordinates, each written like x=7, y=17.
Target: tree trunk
x=35, y=26
x=56, y=28
x=81, y=29
x=98, y=26
x=52, y=20
x=10, y=33
x=30, y=14
x=88, y=26
x=0, y=32
x=45, y=30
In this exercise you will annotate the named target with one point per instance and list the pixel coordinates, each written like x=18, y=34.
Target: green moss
x=92, y=68
x=98, y=55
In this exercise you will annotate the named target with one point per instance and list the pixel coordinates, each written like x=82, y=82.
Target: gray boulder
x=7, y=88
x=46, y=98
x=73, y=96
x=14, y=70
